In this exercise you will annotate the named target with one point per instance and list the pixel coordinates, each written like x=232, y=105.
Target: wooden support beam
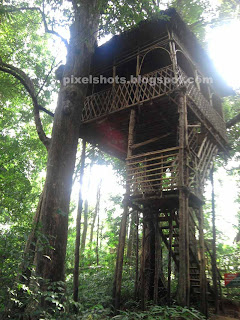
x=188, y=250
x=142, y=270
x=184, y=277
x=164, y=238
x=203, y=282
x=114, y=75
x=157, y=260
x=141, y=144
x=170, y=259
x=122, y=235
x=194, y=125
x=137, y=258
x=173, y=56
x=163, y=151
x=214, y=251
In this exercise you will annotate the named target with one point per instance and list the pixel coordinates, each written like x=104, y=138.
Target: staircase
x=169, y=231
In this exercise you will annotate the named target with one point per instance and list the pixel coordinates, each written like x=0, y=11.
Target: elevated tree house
x=168, y=134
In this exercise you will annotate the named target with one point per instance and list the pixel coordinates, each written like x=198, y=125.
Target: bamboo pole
x=78, y=225
x=155, y=152
x=137, y=257
x=157, y=259
x=142, y=270
x=122, y=235
x=184, y=277
x=170, y=258
x=173, y=55
x=203, y=288
x=138, y=145
x=214, y=253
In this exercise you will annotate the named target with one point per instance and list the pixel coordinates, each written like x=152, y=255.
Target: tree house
x=168, y=133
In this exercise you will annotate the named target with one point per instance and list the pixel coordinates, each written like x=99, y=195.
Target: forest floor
x=217, y=317
x=231, y=310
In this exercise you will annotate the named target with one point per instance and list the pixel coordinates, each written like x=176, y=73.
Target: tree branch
x=47, y=76
x=28, y=85
x=233, y=121
x=45, y=110
x=9, y=9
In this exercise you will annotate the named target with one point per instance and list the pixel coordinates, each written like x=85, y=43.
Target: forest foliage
x=23, y=161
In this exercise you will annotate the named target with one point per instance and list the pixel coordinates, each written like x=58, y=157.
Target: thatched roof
x=148, y=31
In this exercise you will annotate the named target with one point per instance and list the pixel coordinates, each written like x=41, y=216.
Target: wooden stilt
x=157, y=260
x=187, y=253
x=214, y=253
x=142, y=271
x=122, y=235
x=184, y=278
x=203, y=288
x=137, y=253
x=170, y=259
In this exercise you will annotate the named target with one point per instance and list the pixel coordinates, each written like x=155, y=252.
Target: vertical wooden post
x=187, y=250
x=138, y=65
x=214, y=252
x=173, y=56
x=157, y=259
x=122, y=235
x=184, y=278
x=203, y=288
x=137, y=253
x=170, y=258
x=142, y=270
x=131, y=237
x=137, y=73
x=114, y=75
x=210, y=96
x=78, y=225
x=196, y=77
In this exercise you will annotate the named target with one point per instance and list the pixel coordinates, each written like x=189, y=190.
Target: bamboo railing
x=126, y=95
x=158, y=171
x=153, y=172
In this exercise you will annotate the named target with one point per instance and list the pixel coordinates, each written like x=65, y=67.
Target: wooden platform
x=166, y=200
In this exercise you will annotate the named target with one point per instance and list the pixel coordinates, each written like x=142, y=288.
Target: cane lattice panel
x=126, y=95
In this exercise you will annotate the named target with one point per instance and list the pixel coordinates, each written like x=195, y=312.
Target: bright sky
x=224, y=49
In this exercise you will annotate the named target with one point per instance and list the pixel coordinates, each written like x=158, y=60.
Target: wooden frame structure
x=168, y=132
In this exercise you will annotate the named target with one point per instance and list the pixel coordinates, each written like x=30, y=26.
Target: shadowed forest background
x=34, y=41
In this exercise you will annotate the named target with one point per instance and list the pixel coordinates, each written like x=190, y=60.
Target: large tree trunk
x=62, y=150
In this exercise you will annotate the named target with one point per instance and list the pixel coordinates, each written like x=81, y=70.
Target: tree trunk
x=85, y=227
x=97, y=244
x=85, y=223
x=131, y=237
x=78, y=225
x=123, y=227
x=29, y=251
x=62, y=150
x=96, y=211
